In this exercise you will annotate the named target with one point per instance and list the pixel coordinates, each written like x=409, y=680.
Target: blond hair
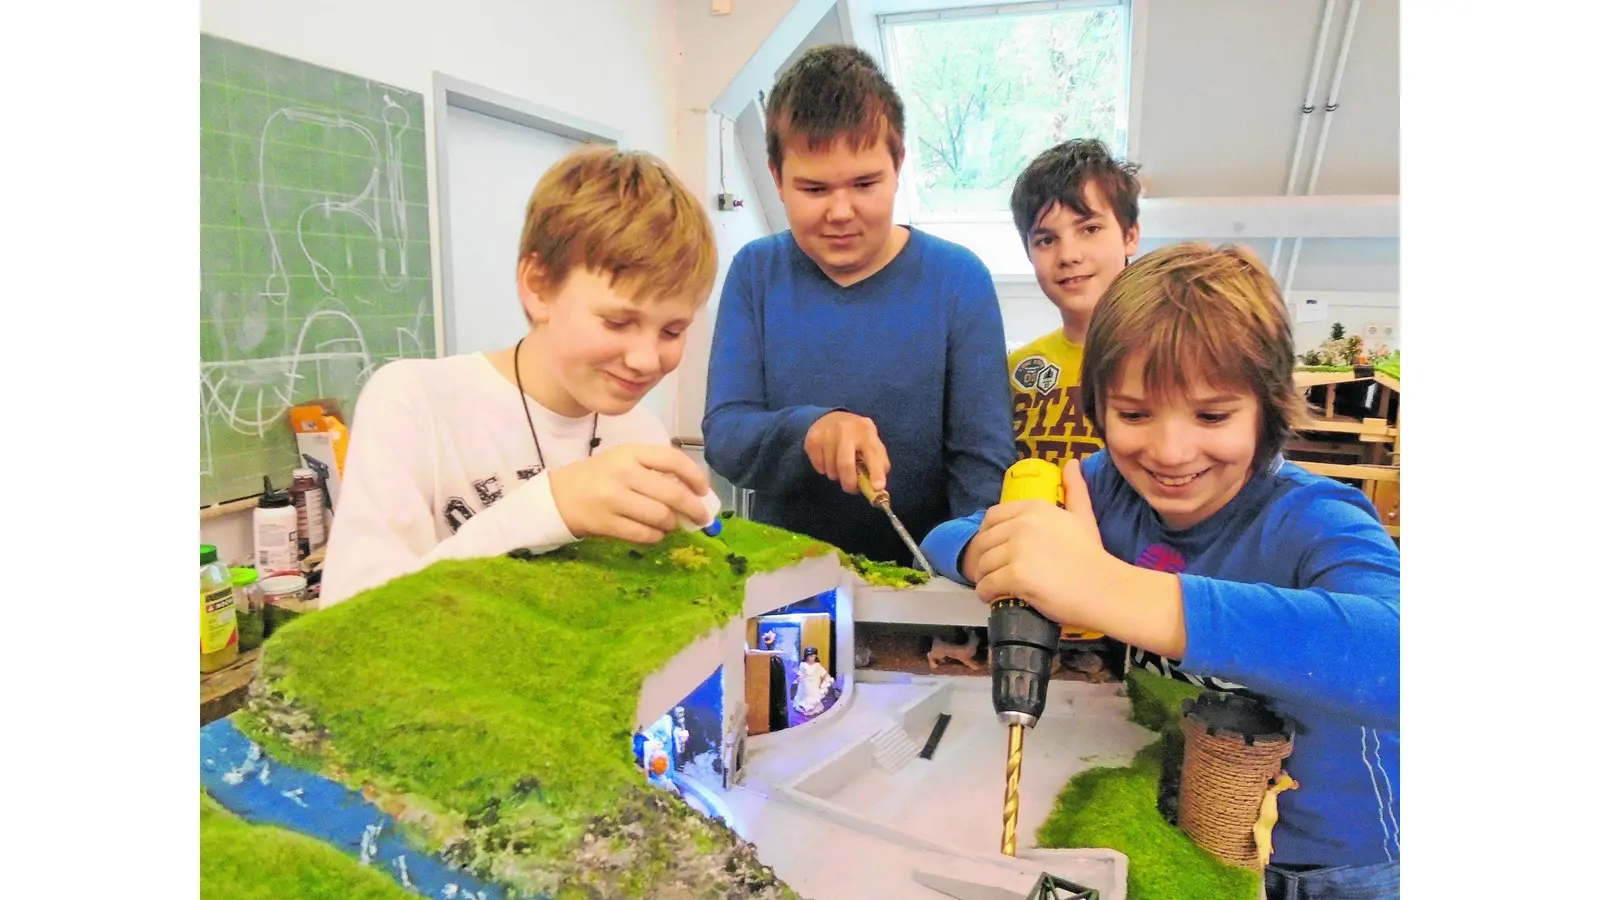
x=622, y=213
x=1196, y=313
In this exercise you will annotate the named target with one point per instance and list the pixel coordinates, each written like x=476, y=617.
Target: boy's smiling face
x=603, y=350
x=1075, y=257
x=840, y=205
x=1187, y=453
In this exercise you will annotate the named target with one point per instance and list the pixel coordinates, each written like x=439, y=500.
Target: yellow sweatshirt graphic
x=1047, y=417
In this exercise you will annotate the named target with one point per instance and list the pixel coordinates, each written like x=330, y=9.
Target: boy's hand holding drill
x=1053, y=558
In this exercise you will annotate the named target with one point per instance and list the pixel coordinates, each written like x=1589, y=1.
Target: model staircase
x=892, y=748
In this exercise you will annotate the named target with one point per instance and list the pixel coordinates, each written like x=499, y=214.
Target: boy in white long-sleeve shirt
x=540, y=444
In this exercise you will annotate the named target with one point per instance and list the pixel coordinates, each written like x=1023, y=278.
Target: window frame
x=906, y=200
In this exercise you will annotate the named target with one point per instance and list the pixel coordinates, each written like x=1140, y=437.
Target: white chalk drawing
x=251, y=389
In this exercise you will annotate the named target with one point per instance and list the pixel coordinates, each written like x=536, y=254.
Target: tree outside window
x=986, y=93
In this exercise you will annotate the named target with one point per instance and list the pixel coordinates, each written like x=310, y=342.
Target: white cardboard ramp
x=1013, y=878
x=811, y=797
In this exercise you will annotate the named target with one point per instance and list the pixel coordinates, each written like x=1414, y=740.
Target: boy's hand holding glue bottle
x=635, y=493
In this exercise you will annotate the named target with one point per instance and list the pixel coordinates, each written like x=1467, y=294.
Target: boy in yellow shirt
x=1077, y=210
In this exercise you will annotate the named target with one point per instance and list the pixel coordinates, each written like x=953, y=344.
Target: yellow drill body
x=1022, y=646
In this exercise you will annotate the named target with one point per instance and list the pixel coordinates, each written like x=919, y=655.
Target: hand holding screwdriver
x=835, y=441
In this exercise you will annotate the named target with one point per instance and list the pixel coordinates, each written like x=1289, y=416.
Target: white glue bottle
x=713, y=524
x=277, y=533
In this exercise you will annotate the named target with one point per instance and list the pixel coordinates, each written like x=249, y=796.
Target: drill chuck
x=1022, y=647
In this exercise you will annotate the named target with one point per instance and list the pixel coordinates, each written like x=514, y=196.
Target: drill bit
x=880, y=499
x=1008, y=836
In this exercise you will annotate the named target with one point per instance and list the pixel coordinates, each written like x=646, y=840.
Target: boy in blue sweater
x=1191, y=539
x=849, y=335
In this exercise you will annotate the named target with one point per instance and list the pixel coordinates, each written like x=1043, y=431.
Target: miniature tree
x=1337, y=332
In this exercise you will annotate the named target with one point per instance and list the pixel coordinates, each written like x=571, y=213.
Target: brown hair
x=1059, y=176
x=624, y=213
x=1196, y=312
x=832, y=92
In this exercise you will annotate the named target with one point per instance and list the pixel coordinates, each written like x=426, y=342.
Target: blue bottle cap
x=714, y=529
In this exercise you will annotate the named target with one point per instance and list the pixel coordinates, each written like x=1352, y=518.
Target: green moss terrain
x=488, y=704
x=885, y=574
x=1388, y=365
x=259, y=862
x=1116, y=808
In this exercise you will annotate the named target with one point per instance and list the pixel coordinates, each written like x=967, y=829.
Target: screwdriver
x=1022, y=645
x=880, y=499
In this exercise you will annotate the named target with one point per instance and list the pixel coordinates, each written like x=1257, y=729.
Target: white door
x=492, y=166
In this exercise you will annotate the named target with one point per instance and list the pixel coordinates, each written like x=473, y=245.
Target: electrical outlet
x=726, y=202
x=1385, y=333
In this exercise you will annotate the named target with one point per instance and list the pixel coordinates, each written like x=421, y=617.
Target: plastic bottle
x=308, y=508
x=276, y=532
x=219, y=627
x=249, y=608
x=713, y=505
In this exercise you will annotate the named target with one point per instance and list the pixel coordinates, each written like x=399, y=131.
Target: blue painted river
x=238, y=774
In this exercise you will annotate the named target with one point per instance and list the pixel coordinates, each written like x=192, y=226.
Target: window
x=987, y=88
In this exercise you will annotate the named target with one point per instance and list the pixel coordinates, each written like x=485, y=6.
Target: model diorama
x=1351, y=430
x=681, y=720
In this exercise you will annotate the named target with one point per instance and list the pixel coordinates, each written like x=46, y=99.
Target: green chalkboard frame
x=315, y=254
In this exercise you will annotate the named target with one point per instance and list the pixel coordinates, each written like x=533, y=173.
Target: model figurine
x=812, y=683
x=680, y=737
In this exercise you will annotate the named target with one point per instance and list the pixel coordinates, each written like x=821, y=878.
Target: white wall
x=734, y=229
x=492, y=166
x=530, y=49
x=1223, y=84
x=1027, y=314
x=1220, y=108
x=725, y=60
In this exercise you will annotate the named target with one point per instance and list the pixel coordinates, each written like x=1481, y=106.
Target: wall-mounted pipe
x=1327, y=125
x=1307, y=107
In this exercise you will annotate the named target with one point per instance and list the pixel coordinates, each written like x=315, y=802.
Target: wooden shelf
x=223, y=691
x=1360, y=472
x=1317, y=421
x=1305, y=380
x=1378, y=441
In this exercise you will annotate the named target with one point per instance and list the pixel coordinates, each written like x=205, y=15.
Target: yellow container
x=219, y=625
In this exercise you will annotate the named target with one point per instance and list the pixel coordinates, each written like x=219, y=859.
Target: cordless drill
x=1022, y=645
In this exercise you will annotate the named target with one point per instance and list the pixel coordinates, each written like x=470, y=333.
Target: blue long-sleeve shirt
x=918, y=348
x=1291, y=590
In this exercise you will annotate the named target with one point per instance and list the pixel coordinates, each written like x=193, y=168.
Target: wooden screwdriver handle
x=864, y=482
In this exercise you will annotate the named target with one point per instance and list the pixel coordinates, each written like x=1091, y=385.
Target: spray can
x=276, y=532
x=219, y=628
x=306, y=493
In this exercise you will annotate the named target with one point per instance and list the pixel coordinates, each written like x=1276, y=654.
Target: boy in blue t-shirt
x=1191, y=539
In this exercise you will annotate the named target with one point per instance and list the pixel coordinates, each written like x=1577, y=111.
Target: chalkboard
x=314, y=259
